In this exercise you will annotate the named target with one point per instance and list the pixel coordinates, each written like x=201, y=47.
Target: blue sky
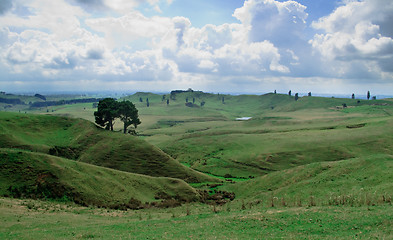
x=252, y=46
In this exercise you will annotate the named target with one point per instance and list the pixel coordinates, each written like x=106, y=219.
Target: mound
x=357, y=180
x=81, y=140
x=37, y=175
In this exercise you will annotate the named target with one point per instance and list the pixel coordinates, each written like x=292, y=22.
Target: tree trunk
x=125, y=128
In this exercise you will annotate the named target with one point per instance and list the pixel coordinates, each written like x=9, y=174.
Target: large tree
x=106, y=113
x=128, y=114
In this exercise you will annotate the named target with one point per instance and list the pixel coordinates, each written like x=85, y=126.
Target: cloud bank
x=113, y=45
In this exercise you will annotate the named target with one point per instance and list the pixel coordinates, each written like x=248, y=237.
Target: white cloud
x=129, y=28
x=57, y=17
x=97, y=41
x=353, y=38
x=282, y=23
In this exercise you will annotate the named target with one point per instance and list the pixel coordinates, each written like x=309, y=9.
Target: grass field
x=299, y=169
x=30, y=219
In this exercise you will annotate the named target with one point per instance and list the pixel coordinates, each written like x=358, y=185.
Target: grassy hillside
x=81, y=140
x=282, y=134
x=210, y=140
x=356, y=182
x=247, y=150
x=306, y=169
x=36, y=175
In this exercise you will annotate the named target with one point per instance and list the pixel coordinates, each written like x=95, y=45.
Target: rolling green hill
x=357, y=181
x=307, y=169
x=37, y=175
x=81, y=140
x=283, y=133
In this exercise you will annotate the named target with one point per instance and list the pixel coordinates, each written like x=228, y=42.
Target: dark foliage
x=11, y=101
x=40, y=96
x=106, y=113
x=128, y=114
x=64, y=102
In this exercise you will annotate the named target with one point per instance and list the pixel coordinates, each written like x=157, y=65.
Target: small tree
x=275, y=92
x=186, y=99
x=223, y=100
x=309, y=94
x=140, y=99
x=193, y=100
x=353, y=96
x=128, y=114
x=290, y=93
x=167, y=102
x=368, y=95
x=147, y=102
x=163, y=98
x=106, y=113
x=296, y=96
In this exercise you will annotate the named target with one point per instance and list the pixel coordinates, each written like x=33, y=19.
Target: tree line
x=64, y=102
x=109, y=109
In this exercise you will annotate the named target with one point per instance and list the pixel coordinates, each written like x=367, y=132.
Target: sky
x=231, y=46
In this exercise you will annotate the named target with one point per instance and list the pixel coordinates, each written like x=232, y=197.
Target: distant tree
x=353, y=96
x=128, y=114
x=147, y=102
x=186, y=99
x=163, y=98
x=193, y=100
x=202, y=103
x=290, y=93
x=275, y=92
x=374, y=97
x=309, y=94
x=167, y=102
x=368, y=95
x=223, y=100
x=140, y=99
x=296, y=96
x=106, y=113
x=173, y=95
x=40, y=96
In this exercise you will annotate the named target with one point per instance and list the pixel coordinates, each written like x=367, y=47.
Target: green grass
x=81, y=140
x=300, y=169
x=36, y=175
x=42, y=220
x=354, y=182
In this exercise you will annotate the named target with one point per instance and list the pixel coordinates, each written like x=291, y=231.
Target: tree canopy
x=109, y=109
x=106, y=113
x=128, y=114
